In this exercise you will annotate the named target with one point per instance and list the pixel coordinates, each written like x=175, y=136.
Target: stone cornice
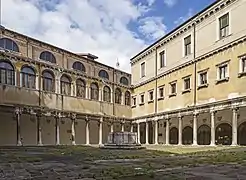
x=197, y=19
x=200, y=58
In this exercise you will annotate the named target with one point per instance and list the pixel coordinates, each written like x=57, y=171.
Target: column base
x=234, y=145
x=180, y=144
x=195, y=144
x=73, y=143
x=40, y=144
x=212, y=144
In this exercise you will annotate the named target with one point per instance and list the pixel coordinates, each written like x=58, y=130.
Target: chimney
x=88, y=56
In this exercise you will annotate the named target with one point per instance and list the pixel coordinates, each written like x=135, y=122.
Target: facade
x=193, y=91
x=49, y=96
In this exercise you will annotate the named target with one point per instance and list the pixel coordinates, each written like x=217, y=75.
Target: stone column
x=112, y=127
x=138, y=133
x=156, y=131
x=212, y=116
x=131, y=128
x=57, y=119
x=167, y=130
x=122, y=126
x=39, y=129
x=234, y=126
x=100, y=130
x=195, y=129
x=147, y=132
x=180, y=129
x=18, y=112
x=87, y=131
x=73, y=118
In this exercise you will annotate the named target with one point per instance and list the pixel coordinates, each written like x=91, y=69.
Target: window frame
x=163, y=89
x=141, y=73
x=9, y=74
x=171, y=94
x=80, y=87
x=227, y=75
x=162, y=62
x=185, y=54
x=242, y=65
x=149, y=96
x=140, y=101
x=218, y=25
x=134, y=98
x=28, y=80
x=185, y=90
x=199, y=74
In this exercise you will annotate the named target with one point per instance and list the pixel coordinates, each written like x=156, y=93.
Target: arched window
x=79, y=66
x=48, y=81
x=106, y=94
x=127, y=98
x=7, y=73
x=124, y=81
x=65, y=85
x=47, y=56
x=80, y=88
x=118, y=95
x=103, y=74
x=28, y=77
x=94, y=91
x=9, y=44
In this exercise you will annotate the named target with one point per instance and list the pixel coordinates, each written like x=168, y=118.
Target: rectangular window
x=203, y=78
x=243, y=62
x=187, y=45
x=134, y=101
x=162, y=59
x=223, y=72
x=151, y=95
x=187, y=83
x=161, y=92
x=224, y=25
x=173, y=88
x=142, y=99
x=142, y=69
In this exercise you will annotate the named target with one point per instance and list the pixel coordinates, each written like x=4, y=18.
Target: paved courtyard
x=88, y=163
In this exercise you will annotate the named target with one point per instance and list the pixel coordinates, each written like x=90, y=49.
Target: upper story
x=213, y=27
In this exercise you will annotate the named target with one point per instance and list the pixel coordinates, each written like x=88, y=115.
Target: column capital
x=87, y=119
x=101, y=119
x=39, y=113
x=73, y=116
x=195, y=113
x=235, y=108
x=18, y=111
x=167, y=117
x=58, y=115
x=122, y=122
x=180, y=116
x=212, y=110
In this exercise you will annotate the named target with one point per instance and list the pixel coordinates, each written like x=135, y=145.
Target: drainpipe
x=195, y=68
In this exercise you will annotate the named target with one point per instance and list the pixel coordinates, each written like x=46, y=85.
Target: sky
x=109, y=29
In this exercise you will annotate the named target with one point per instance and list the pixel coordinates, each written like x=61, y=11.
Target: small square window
x=224, y=26
x=161, y=92
x=151, y=95
x=203, y=78
x=222, y=72
x=173, y=87
x=187, y=83
x=162, y=59
x=142, y=69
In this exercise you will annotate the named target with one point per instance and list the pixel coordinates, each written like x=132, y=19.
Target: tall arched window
x=48, y=81
x=106, y=94
x=79, y=66
x=127, y=98
x=9, y=44
x=28, y=77
x=103, y=74
x=48, y=56
x=94, y=91
x=7, y=73
x=80, y=88
x=118, y=95
x=65, y=85
x=124, y=81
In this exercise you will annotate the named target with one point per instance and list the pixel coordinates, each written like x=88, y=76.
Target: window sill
x=223, y=38
x=222, y=80
x=160, y=98
x=186, y=91
x=151, y=101
x=172, y=95
x=134, y=106
x=141, y=104
x=202, y=86
x=241, y=74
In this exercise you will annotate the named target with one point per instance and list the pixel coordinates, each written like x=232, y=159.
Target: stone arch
x=106, y=94
x=124, y=81
x=204, y=135
x=65, y=84
x=7, y=70
x=118, y=95
x=48, y=80
x=9, y=44
x=187, y=135
x=47, y=56
x=28, y=77
x=103, y=74
x=173, y=137
x=223, y=134
x=80, y=88
x=79, y=66
x=241, y=137
x=127, y=98
x=94, y=91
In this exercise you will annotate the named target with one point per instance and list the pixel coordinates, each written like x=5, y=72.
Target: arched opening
x=106, y=94
x=103, y=74
x=79, y=66
x=241, y=138
x=118, y=95
x=28, y=77
x=173, y=137
x=48, y=81
x=7, y=73
x=80, y=88
x=94, y=91
x=9, y=44
x=124, y=81
x=223, y=134
x=127, y=98
x=187, y=135
x=204, y=135
x=65, y=85
x=48, y=56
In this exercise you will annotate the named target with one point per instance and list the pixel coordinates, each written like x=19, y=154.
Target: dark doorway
x=187, y=137
x=173, y=136
x=241, y=137
x=223, y=134
x=204, y=135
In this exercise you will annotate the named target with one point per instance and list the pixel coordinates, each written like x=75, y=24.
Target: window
x=162, y=59
x=124, y=81
x=187, y=83
x=47, y=56
x=161, y=92
x=80, y=88
x=78, y=66
x=48, y=81
x=203, y=78
x=94, y=91
x=127, y=98
x=7, y=73
x=151, y=95
x=173, y=87
x=8, y=44
x=224, y=25
x=142, y=69
x=28, y=77
x=142, y=99
x=243, y=64
x=187, y=45
x=106, y=94
x=118, y=95
x=223, y=72
x=103, y=74
x=134, y=101
x=65, y=85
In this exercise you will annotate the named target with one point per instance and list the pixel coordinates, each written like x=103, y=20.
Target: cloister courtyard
x=157, y=162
